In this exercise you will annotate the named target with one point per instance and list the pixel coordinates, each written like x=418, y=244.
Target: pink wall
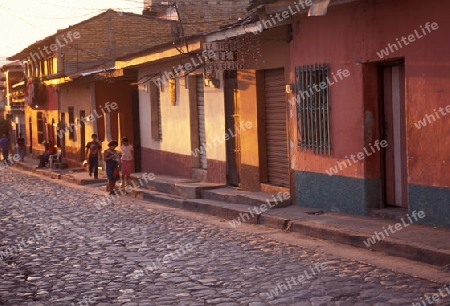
x=120, y=93
x=356, y=32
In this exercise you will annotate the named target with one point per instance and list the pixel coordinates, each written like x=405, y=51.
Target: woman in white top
x=127, y=157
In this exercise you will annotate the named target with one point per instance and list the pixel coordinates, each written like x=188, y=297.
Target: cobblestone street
x=57, y=248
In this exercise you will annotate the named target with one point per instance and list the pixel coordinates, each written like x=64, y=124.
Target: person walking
x=127, y=158
x=112, y=158
x=92, y=152
x=4, y=143
x=21, y=146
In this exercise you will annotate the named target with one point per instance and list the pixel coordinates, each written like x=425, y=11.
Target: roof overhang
x=235, y=32
x=57, y=81
x=159, y=54
x=18, y=84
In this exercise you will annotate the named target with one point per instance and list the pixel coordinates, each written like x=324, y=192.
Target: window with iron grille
x=311, y=88
x=155, y=112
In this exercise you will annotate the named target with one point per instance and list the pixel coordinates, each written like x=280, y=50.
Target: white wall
x=215, y=121
x=175, y=119
x=176, y=126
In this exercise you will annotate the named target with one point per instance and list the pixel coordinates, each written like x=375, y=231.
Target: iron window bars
x=311, y=88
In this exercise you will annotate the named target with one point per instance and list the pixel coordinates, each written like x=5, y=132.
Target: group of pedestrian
x=115, y=161
x=4, y=144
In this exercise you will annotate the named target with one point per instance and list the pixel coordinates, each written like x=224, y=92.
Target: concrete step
x=220, y=209
x=55, y=174
x=235, y=196
x=77, y=169
x=186, y=188
x=391, y=213
x=26, y=166
x=148, y=195
x=204, y=206
x=71, y=178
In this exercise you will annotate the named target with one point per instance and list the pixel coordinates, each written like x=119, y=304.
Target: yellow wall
x=38, y=148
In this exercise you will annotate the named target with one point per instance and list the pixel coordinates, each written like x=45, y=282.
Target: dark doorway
x=63, y=135
x=233, y=146
x=393, y=130
x=136, y=128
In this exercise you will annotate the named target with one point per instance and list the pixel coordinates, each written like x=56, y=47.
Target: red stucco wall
x=120, y=93
x=354, y=33
x=52, y=97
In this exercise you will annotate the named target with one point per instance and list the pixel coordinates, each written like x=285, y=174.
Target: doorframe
x=30, y=126
x=82, y=135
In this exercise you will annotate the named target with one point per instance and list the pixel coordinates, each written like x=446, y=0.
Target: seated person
x=50, y=149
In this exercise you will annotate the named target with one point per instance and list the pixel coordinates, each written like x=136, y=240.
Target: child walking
x=127, y=157
x=112, y=157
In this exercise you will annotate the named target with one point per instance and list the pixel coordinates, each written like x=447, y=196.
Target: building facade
x=371, y=104
x=13, y=99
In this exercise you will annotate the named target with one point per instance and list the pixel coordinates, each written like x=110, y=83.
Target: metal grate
x=158, y=105
x=311, y=87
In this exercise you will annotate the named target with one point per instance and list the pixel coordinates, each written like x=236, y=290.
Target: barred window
x=155, y=112
x=311, y=88
x=173, y=91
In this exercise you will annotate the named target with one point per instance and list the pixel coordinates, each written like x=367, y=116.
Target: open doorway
x=393, y=130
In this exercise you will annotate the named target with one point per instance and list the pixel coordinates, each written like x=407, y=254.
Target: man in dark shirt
x=44, y=157
x=21, y=146
x=94, y=149
x=4, y=143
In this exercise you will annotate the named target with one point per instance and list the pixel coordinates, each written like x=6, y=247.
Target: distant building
x=72, y=79
x=2, y=94
x=14, y=89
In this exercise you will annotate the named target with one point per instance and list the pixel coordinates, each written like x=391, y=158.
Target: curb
x=202, y=206
x=69, y=178
x=51, y=174
x=398, y=249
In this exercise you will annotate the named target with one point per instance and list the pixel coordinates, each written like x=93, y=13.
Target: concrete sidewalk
x=415, y=242
x=73, y=175
x=408, y=240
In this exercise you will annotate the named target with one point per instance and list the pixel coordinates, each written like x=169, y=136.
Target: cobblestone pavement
x=65, y=251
